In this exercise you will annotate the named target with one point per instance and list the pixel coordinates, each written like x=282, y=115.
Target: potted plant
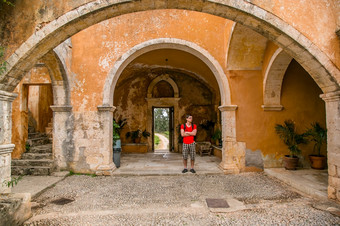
x=136, y=135
x=117, y=148
x=217, y=137
x=318, y=135
x=208, y=125
x=288, y=134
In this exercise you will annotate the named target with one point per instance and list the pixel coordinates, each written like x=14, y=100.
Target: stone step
x=32, y=162
x=35, y=135
x=32, y=170
x=47, y=148
x=48, y=130
x=37, y=156
x=38, y=141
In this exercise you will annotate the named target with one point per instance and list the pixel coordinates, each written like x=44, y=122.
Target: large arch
x=166, y=43
x=228, y=110
x=297, y=45
x=319, y=66
x=273, y=78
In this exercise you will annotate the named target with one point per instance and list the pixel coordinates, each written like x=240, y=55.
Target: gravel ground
x=175, y=200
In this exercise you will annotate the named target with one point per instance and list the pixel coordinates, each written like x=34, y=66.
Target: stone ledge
x=228, y=108
x=7, y=96
x=272, y=107
x=6, y=148
x=332, y=96
x=104, y=108
x=66, y=108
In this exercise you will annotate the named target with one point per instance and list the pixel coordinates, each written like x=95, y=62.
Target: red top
x=189, y=139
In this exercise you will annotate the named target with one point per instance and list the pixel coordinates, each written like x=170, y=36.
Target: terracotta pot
x=290, y=163
x=137, y=140
x=317, y=162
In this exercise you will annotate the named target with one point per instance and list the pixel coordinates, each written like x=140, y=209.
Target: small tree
x=318, y=135
x=287, y=133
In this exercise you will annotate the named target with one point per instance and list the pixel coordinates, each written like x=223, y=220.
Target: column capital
x=7, y=96
x=330, y=97
x=104, y=108
x=272, y=107
x=6, y=148
x=227, y=108
x=63, y=108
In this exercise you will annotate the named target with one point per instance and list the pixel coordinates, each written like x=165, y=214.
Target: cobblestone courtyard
x=254, y=199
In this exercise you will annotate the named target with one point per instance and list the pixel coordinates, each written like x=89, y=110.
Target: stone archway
x=62, y=124
x=233, y=152
x=272, y=82
x=316, y=63
x=163, y=102
x=272, y=27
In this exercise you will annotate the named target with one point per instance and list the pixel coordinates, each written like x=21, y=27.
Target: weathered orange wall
x=301, y=101
x=315, y=19
x=130, y=100
x=96, y=49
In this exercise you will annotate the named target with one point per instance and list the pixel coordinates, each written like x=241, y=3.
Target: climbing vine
x=8, y=2
x=2, y=61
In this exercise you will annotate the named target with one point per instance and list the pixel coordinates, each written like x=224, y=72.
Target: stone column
x=233, y=152
x=63, y=128
x=6, y=147
x=106, y=117
x=333, y=143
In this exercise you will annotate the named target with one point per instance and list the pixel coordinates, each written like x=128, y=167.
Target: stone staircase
x=38, y=160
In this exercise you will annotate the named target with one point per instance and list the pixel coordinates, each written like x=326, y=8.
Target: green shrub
x=157, y=140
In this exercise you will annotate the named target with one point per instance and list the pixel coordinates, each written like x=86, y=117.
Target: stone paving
x=164, y=164
x=254, y=199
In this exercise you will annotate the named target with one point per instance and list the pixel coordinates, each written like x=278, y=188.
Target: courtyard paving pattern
x=254, y=199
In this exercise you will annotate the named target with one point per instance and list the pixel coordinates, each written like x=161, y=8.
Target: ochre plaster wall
x=130, y=100
x=315, y=19
x=39, y=80
x=300, y=98
x=96, y=49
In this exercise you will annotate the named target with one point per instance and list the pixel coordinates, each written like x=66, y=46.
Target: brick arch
x=167, y=79
x=272, y=82
x=314, y=61
x=166, y=43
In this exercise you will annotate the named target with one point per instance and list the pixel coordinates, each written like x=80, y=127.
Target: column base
x=229, y=168
x=106, y=170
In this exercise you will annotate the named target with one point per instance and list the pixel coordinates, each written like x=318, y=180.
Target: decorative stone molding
x=167, y=79
x=7, y=96
x=310, y=56
x=272, y=107
x=329, y=97
x=106, y=108
x=6, y=148
x=166, y=43
x=228, y=108
x=61, y=108
x=273, y=79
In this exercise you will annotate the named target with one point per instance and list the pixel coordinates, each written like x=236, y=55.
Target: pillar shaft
x=333, y=143
x=63, y=144
x=6, y=147
x=233, y=152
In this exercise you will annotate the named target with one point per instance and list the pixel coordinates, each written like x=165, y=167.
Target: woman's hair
x=187, y=116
